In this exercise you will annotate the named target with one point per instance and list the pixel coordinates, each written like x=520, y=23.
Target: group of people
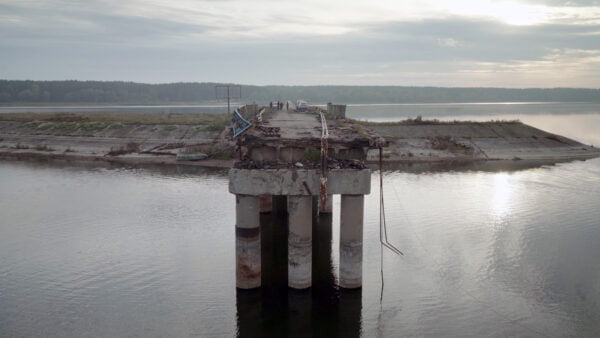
x=279, y=105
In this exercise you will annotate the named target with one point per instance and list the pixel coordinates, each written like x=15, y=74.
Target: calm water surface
x=139, y=252
x=104, y=252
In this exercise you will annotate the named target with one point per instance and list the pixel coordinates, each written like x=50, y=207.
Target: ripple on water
x=107, y=252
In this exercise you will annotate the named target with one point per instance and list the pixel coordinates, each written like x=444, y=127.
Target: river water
x=89, y=251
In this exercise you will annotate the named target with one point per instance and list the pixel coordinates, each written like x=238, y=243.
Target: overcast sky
x=483, y=43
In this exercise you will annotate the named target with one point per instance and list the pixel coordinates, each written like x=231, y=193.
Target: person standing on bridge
x=287, y=105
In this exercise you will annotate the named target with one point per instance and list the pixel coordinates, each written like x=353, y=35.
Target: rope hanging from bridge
x=383, y=238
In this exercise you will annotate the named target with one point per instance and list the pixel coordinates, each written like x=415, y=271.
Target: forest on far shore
x=111, y=92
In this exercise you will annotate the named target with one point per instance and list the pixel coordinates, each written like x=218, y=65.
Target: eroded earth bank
x=204, y=139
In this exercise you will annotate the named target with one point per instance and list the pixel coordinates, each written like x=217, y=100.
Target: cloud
x=566, y=3
x=449, y=42
x=36, y=25
x=282, y=42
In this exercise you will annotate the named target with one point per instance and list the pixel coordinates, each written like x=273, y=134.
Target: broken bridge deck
x=286, y=128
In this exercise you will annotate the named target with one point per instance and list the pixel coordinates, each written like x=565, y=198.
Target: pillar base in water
x=300, y=242
x=351, y=268
x=351, y=238
x=248, y=266
x=247, y=242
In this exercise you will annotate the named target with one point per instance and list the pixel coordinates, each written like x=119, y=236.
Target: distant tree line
x=21, y=92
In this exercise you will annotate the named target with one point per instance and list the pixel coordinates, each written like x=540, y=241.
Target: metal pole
x=228, y=99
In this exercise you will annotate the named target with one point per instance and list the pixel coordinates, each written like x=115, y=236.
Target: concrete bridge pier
x=297, y=187
x=351, y=240
x=300, y=242
x=247, y=242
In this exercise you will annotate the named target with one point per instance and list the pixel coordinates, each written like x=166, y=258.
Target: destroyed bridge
x=301, y=154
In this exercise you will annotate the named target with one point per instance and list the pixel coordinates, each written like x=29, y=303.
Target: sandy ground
x=139, y=144
x=159, y=144
x=476, y=141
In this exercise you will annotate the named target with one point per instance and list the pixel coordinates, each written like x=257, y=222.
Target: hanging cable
x=383, y=239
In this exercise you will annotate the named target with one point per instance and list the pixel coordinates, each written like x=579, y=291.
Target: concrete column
x=280, y=243
x=266, y=250
x=300, y=242
x=351, y=237
x=323, y=278
x=266, y=204
x=328, y=207
x=247, y=242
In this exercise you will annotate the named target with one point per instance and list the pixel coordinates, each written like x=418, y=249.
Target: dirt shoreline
x=130, y=161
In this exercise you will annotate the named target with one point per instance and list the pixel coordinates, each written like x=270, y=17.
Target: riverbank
x=431, y=141
x=117, y=138
x=131, y=139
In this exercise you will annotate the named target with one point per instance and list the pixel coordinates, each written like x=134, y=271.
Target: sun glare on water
x=501, y=195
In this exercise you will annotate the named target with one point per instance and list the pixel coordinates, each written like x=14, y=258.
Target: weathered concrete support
x=294, y=259
x=322, y=269
x=295, y=182
x=351, y=237
x=266, y=204
x=280, y=245
x=247, y=242
x=327, y=208
x=300, y=242
x=266, y=250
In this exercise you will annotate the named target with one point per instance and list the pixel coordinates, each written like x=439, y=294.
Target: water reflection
x=276, y=310
x=126, y=252
x=502, y=193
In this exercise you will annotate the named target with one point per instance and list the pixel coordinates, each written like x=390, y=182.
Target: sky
x=457, y=43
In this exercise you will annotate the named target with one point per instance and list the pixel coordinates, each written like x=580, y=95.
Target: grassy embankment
x=69, y=123
x=97, y=122
x=359, y=126
x=420, y=121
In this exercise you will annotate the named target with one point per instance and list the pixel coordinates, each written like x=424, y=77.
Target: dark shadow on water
x=274, y=310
